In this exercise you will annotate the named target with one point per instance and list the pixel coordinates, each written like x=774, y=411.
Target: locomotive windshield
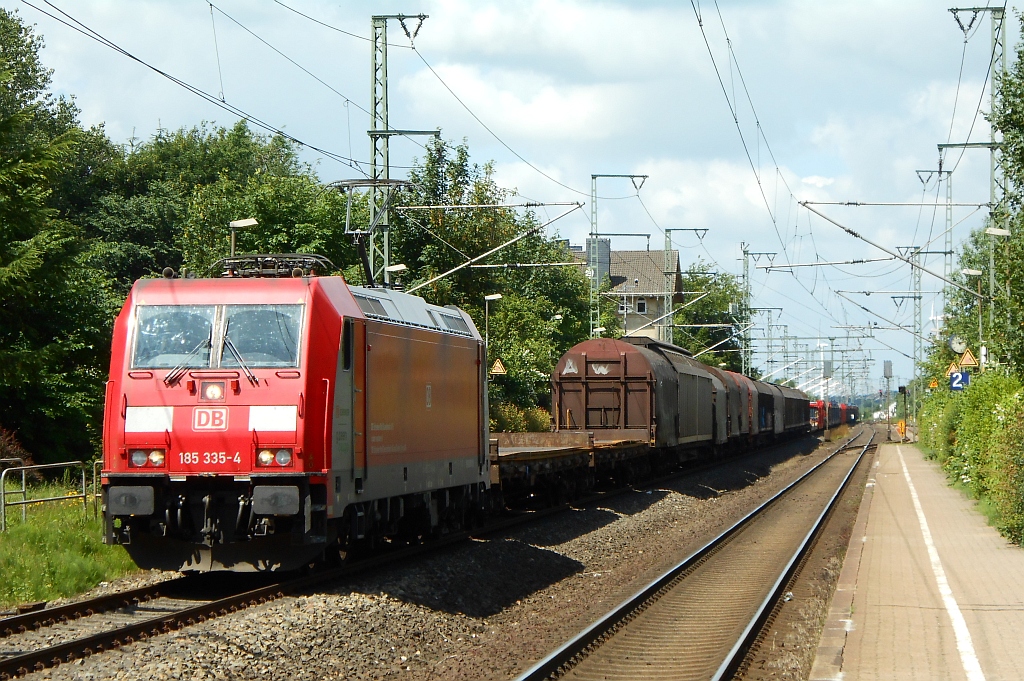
x=195, y=336
x=168, y=335
x=264, y=335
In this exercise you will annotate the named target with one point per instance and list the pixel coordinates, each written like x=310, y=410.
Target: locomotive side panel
x=421, y=411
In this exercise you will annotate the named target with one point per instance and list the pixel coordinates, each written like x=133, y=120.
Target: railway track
x=699, y=619
x=36, y=640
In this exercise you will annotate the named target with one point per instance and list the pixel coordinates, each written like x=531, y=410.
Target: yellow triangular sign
x=933, y=384
x=968, y=359
x=498, y=368
x=953, y=369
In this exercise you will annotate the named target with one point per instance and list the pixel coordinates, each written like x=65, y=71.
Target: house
x=646, y=284
x=642, y=282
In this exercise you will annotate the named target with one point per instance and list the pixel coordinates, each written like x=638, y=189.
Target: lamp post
x=976, y=273
x=235, y=225
x=487, y=320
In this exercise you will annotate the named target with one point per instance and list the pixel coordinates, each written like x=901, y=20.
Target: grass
x=840, y=432
x=56, y=552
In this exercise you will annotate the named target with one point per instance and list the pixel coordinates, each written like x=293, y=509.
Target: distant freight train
x=270, y=418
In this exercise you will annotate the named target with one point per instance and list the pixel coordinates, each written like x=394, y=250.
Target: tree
x=54, y=309
x=722, y=289
x=525, y=333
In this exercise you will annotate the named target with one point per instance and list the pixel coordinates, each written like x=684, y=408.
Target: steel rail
x=44, y=617
x=565, y=655
x=746, y=640
x=70, y=651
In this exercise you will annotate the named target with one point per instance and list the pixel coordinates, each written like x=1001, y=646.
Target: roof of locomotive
x=404, y=308
x=373, y=303
x=228, y=289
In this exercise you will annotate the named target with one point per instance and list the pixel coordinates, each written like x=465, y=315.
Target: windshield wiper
x=175, y=374
x=238, y=357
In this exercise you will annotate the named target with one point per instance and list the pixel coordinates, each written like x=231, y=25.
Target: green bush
x=507, y=418
x=56, y=552
x=938, y=419
x=538, y=420
x=976, y=436
x=1005, y=471
x=981, y=415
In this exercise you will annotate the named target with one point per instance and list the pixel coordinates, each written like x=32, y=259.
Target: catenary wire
x=76, y=25
x=463, y=104
x=216, y=51
x=294, y=63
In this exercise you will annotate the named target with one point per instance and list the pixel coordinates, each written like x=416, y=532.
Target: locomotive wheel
x=340, y=550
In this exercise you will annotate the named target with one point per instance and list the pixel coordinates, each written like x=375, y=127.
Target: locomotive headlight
x=139, y=458
x=266, y=457
x=156, y=457
x=213, y=391
x=283, y=457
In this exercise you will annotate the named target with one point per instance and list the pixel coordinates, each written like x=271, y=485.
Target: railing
x=25, y=501
x=97, y=465
x=7, y=463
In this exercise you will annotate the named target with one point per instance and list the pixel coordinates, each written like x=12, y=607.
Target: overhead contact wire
x=76, y=25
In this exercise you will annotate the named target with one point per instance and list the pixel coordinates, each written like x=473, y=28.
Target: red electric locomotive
x=258, y=422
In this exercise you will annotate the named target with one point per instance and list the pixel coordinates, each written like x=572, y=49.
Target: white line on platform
x=964, y=645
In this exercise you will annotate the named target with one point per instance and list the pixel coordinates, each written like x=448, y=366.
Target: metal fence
x=22, y=492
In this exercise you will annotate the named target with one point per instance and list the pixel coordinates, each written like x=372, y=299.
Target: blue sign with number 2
x=958, y=380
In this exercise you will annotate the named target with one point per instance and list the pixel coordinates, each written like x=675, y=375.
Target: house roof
x=639, y=272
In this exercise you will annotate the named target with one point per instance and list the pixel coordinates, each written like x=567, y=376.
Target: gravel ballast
x=486, y=609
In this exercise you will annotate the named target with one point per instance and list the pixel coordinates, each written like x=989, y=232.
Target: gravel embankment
x=485, y=610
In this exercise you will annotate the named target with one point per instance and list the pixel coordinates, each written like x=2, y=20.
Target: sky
x=833, y=102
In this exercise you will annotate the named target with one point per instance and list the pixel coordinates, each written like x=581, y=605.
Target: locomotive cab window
x=263, y=335
x=169, y=335
x=216, y=336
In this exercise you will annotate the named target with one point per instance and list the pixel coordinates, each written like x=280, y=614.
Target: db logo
x=210, y=418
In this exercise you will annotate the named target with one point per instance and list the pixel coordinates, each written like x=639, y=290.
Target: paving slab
x=928, y=590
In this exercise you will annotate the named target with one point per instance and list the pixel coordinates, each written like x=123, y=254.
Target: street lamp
x=393, y=270
x=235, y=225
x=487, y=318
x=976, y=273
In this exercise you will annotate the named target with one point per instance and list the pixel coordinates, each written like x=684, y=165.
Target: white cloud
x=521, y=105
x=818, y=181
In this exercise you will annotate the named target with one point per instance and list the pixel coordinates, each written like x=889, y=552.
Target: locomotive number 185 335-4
x=192, y=458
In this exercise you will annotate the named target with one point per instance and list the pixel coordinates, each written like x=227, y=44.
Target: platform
x=928, y=590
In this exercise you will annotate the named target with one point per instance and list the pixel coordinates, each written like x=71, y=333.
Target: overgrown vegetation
x=976, y=435
x=56, y=552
